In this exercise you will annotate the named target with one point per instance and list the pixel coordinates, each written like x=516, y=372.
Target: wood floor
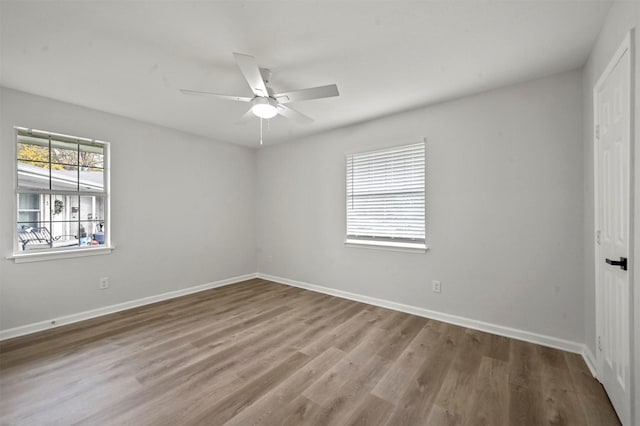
x=260, y=353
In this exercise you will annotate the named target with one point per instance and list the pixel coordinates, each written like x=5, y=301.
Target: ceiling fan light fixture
x=264, y=107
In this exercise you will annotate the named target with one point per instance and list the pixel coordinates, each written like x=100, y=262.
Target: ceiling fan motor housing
x=264, y=107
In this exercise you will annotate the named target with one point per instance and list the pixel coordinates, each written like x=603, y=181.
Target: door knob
x=622, y=263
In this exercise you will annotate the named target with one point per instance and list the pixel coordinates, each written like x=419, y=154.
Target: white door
x=613, y=116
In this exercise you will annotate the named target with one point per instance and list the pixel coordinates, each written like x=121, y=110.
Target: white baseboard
x=541, y=339
x=590, y=360
x=70, y=319
x=500, y=330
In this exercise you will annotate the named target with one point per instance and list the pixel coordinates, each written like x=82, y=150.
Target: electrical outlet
x=104, y=283
x=436, y=286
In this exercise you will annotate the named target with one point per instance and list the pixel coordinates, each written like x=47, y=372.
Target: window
x=386, y=197
x=62, y=196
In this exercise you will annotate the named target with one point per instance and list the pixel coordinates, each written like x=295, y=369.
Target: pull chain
x=260, y=130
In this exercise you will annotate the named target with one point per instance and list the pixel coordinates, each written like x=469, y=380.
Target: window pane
x=73, y=207
x=66, y=179
x=85, y=235
x=92, y=216
x=92, y=208
x=28, y=201
x=101, y=202
x=91, y=156
x=95, y=231
x=63, y=154
x=35, y=151
x=65, y=234
x=31, y=238
x=28, y=210
x=28, y=219
x=33, y=175
x=91, y=179
x=59, y=207
x=35, y=237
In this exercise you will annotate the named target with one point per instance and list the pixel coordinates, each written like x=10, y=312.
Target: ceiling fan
x=265, y=103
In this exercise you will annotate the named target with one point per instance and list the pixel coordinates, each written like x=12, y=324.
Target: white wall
x=504, y=208
x=623, y=16
x=182, y=214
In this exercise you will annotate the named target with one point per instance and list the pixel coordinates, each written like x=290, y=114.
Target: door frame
x=627, y=46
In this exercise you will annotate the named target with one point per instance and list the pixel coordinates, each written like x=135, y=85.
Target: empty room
x=319, y=213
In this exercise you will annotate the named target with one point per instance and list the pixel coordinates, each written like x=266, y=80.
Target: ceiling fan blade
x=246, y=117
x=215, y=95
x=293, y=114
x=308, y=94
x=251, y=72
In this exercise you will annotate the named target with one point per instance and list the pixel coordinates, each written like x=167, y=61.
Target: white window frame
x=415, y=242
x=20, y=256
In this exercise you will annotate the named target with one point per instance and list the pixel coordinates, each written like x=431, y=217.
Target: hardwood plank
x=551, y=357
x=207, y=367
x=353, y=337
x=302, y=411
x=176, y=407
x=316, y=315
x=491, y=396
x=561, y=404
x=369, y=345
x=55, y=406
x=526, y=406
x=231, y=405
x=258, y=319
x=417, y=401
x=591, y=395
x=499, y=347
x=598, y=411
x=175, y=385
x=273, y=407
x=57, y=360
x=525, y=368
x=93, y=327
x=583, y=381
x=372, y=411
x=394, y=383
x=352, y=393
x=264, y=353
x=438, y=326
x=453, y=404
x=351, y=316
x=331, y=382
x=401, y=336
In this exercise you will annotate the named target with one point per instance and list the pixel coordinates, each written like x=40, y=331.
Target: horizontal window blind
x=386, y=194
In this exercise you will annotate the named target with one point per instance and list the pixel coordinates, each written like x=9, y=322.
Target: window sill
x=388, y=245
x=59, y=254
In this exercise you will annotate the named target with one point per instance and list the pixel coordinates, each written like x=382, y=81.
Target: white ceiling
x=130, y=58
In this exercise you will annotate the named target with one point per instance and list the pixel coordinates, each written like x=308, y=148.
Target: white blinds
x=386, y=194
